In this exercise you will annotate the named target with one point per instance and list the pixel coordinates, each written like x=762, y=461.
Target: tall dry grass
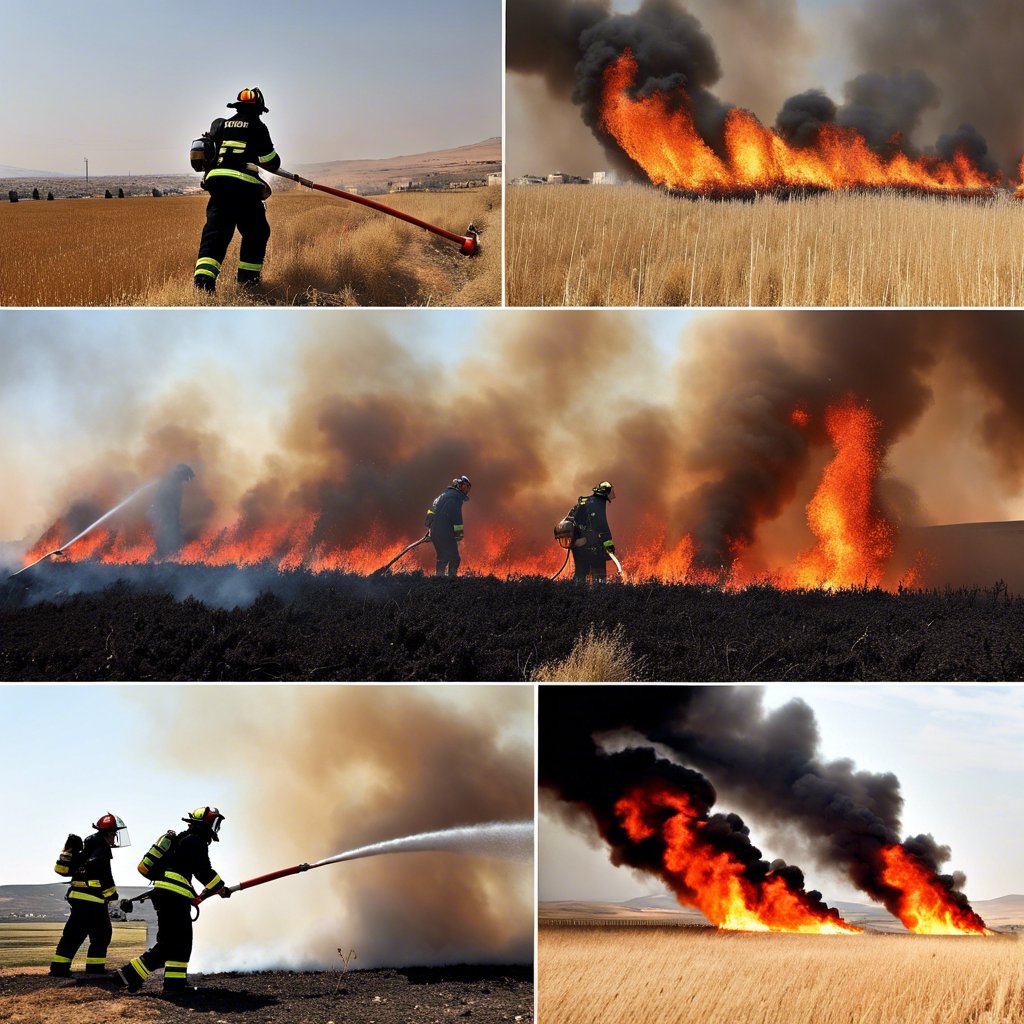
x=323, y=251
x=699, y=976
x=632, y=245
x=604, y=656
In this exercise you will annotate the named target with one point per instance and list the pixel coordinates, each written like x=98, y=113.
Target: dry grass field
x=632, y=245
x=598, y=656
x=699, y=976
x=31, y=944
x=323, y=251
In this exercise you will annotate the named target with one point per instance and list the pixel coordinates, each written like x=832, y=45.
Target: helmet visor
x=121, y=838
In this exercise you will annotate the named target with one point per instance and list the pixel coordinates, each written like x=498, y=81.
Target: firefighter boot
x=133, y=974
x=60, y=967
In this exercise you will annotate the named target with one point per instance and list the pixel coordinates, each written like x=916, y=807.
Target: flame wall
x=694, y=425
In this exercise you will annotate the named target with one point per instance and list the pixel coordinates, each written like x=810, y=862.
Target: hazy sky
x=955, y=749
x=342, y=78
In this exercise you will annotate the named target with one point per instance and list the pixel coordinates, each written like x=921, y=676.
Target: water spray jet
x=102, y=519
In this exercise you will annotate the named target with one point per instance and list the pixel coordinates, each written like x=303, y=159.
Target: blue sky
x=350, y=79
x=955, y=749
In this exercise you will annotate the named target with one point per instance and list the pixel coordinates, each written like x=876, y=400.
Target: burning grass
x=323, y=251
x=700, y=975
x=336, y=626
x=633, y=245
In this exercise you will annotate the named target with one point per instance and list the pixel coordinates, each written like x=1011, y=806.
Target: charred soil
x=411, y=627
x=481, y=994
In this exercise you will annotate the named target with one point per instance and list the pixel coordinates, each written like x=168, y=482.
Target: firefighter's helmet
x=462, y=481
x=183, y=473
x=251, y=96
x=111, y=824
x=205, y=819
x=604, y=488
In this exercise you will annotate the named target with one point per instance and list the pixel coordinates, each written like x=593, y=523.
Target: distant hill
x=7, y=171
x=47, y=903
x=1005, y=913
x=475, y=160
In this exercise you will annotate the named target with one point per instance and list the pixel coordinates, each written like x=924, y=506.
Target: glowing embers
x=699, y=858
x=926, y=906
x=657, y=131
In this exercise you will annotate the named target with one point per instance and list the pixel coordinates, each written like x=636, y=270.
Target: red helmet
x=207, y=819
x=111, y=824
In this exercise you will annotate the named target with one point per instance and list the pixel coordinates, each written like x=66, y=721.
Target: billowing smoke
x=700, y=441
x=764, y=763
x=313, y=772
x=910, y=70
x=970, y=49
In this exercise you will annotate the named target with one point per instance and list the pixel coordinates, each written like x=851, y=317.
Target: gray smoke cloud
x=970, y=49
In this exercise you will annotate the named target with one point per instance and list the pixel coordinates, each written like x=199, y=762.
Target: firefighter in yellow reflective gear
x=86, y=865
x=170, y=864
x=240, y=147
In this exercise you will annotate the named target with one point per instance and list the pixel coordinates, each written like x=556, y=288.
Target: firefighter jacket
x=444, y=517
x=173, y=859
x=89, y=871
x=243, y=148
x=591, y=517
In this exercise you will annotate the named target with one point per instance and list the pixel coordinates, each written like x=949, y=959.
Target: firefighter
x=170, y=864
x=594, y=541
x=444, y=524
x=165, y=512
x=86, y=865
x=241, y=147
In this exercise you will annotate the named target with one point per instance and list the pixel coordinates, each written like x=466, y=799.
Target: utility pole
x=86, y=159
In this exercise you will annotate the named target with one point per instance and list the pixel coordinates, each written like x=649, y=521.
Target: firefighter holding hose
x=593, y=544
x=444, y=525
x=170, y=864
x=86, y=865
x=235, y=151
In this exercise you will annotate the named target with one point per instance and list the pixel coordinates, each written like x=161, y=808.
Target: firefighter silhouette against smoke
x=86, y=865
x=165, y=512
x=593, y=537
x=444, y=524
x=170, y=864
x=232, y=154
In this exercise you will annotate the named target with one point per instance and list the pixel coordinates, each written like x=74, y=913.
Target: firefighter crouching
x=86, y=864
x=593, y=541
x=237, y=148
x=170, y=864
x=444, y=522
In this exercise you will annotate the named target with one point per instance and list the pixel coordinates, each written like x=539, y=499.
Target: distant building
x=528, y=179
x=561, y=178
x=494, y=178
x=603, y=178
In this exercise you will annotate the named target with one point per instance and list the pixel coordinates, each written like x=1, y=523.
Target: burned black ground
x=475, y=994
x=410, y=627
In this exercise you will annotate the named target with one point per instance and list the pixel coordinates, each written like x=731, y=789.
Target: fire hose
x=415, y=544
x=469, y=243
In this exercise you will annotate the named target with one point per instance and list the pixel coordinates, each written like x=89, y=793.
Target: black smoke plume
x=767, y=763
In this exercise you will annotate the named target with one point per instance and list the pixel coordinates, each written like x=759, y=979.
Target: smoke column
x=310, y=769
x=764, y=762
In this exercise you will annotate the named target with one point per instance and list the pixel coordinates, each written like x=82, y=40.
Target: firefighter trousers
x=589, y=561
x=173, y=945
x=87, y=919
x=447, y=551
x=232, y=205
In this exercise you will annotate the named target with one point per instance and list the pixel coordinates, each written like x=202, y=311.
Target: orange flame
x=925, y=906
x=854, y=540
x=658, y=133
x=721, y=890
